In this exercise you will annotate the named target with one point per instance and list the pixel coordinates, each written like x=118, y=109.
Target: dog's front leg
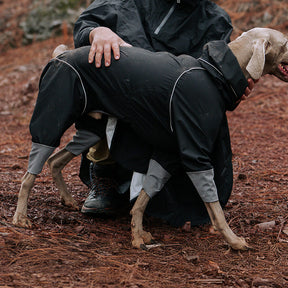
x=219, y=222
x=56, y=163
x=20, y=217
x=139, y=236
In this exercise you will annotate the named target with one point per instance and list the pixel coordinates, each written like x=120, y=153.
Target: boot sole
x=97, y=211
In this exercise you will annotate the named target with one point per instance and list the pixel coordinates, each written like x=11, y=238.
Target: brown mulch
x=67, y=249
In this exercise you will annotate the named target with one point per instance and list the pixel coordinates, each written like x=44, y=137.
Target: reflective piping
x=165, y=19
x=173, y=90
x=211, y=66
x=220, y=74
x=85, y=95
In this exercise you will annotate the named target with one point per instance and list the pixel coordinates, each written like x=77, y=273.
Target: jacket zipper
x=165, y=19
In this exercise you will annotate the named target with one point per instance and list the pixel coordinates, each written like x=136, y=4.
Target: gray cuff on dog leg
x=82, y=141
x=155, y=179
x=204, y=184
x=38, y=156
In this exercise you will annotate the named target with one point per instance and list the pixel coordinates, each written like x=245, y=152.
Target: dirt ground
x=67, y=249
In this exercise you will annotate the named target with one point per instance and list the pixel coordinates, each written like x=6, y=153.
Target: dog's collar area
x=221, y=63
x=221, y=76
x=217, y=70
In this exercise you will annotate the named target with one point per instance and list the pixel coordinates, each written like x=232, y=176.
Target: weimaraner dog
x=259, y=51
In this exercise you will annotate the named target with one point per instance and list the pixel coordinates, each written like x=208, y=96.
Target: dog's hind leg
x=20, y=216
x=56, y=163
x=82, y=141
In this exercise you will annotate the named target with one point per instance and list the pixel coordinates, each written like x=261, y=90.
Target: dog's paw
x=70, y=203
x=239, y=244
x=141, y=239
x=139, y=244
x=21, y=221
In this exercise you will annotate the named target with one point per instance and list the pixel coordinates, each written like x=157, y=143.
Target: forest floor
x=67, y=249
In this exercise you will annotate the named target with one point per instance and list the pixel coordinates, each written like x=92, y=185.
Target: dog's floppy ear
x=256, y=64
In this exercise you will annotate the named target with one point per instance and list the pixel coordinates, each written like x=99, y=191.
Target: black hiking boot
x=103, y=198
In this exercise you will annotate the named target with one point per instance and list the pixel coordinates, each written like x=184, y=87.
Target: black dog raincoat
x=175, y=105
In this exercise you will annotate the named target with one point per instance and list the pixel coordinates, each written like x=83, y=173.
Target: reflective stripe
x=165, y=19
x=85, y=95
x=173, y=90
x=211, y=66
x=219, y=73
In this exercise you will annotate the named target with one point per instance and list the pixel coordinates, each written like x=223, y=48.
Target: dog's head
x=269, y=53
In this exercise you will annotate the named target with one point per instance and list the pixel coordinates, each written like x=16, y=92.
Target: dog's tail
x=59, y=50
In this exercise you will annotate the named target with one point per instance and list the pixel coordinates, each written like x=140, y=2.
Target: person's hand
x=249, y=89
x=103, y=40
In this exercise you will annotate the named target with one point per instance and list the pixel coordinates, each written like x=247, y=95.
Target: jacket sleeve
x=99, y=13
x=197, y=115
x=122, y=17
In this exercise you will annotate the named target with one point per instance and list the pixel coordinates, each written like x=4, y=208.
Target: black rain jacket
x=157, y=25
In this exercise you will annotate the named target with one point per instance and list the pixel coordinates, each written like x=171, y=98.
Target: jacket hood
x=220, y=62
